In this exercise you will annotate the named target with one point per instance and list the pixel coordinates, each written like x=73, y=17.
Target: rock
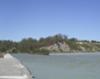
x=58, y=47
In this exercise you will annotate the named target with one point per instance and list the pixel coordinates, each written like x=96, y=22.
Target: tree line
x=31, y=45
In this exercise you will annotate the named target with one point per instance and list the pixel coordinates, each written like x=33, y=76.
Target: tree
x=73, y=39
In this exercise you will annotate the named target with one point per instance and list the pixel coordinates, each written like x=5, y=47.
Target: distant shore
x=55, y=43
x=59, y=53
x=79, y=53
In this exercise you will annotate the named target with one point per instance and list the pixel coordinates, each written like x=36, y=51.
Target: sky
x=41, y=18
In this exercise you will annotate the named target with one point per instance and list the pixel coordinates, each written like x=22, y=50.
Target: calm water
x=85, y=66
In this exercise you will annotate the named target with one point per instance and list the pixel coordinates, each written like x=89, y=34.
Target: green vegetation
x=49, y=44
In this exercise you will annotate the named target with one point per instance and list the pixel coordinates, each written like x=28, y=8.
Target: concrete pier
x=11, y=68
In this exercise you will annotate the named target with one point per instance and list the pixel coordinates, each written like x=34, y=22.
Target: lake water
x=85, y=66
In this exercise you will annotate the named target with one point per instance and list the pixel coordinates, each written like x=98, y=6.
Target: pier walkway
x=11, y=68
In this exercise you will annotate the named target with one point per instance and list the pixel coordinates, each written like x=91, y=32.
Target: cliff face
x=58, y=47
x=90, y=47
x=75, y=47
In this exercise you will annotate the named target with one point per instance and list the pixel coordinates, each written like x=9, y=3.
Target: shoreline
x=75, y=53
x=64, y=53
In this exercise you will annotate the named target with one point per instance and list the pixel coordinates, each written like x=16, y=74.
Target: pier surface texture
x=11, y=68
